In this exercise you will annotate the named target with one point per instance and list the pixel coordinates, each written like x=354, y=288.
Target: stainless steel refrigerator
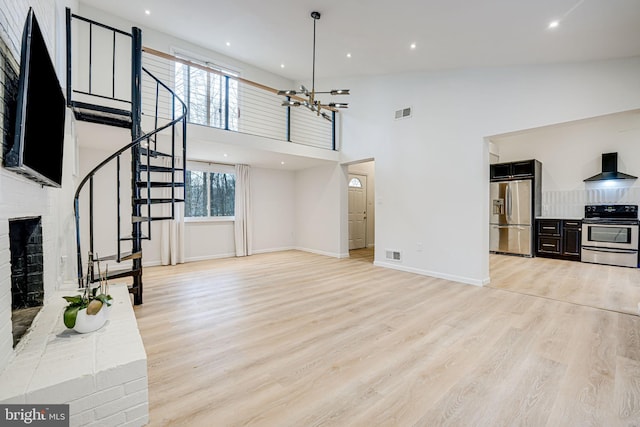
x=511, y=218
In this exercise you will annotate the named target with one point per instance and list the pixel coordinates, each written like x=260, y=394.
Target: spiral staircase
x=156, y=176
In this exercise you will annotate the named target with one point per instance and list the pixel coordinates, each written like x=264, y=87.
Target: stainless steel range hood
x=610, y=169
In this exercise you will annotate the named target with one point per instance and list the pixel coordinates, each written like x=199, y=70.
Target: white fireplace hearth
x=101, y=375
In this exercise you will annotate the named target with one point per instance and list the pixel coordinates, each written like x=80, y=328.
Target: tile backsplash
x=570, y=203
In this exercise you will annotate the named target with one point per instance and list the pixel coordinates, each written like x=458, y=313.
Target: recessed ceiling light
x=348, y=55
x=282, y=163
x=281, y=65
x=225, y=154
x=147, y=12
x=554, y=24
x=228, y=43
x=413, y=46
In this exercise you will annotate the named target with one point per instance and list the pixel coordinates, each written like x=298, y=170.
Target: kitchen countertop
x=569, y=218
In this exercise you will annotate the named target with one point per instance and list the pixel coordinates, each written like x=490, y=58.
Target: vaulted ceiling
x=378, y=33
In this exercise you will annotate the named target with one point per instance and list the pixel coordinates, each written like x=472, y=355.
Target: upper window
x=355, y=183
x=212, y=98
x=210, y=191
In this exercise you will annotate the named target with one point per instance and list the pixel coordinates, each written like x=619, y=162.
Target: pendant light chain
x=313, y=71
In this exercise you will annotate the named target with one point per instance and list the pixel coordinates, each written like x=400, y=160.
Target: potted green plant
x=90, y=310
x=87, y=312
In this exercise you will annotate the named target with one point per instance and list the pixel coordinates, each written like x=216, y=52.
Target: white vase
x=91, y=322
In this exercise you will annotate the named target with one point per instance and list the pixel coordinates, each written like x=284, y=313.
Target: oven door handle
x=615, y=251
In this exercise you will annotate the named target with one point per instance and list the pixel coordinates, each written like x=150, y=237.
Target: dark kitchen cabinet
x=548, y=237
x=514, y=170
x=558, y=238
x=571, y=238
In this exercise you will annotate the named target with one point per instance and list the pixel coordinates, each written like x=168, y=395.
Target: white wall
x=273, y=204
x=571, y=152
x=432, y=169
x=321, y=210
x=204, y=240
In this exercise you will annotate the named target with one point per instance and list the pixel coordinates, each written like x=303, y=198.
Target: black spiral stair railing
x=145, y=153
x=147, y=184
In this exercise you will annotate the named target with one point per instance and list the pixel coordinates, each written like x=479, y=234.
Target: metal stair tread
x=154, y=168
x=116, y=274
x=124, y=256
x=125, y=238
x=153, y=153
x=155, y=201
x=148, y=218
x=159, y=184
x=100, y=114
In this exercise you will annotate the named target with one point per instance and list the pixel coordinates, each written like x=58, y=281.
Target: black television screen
x=39, y=127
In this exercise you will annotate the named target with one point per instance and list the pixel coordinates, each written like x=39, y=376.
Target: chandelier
x=304, y=97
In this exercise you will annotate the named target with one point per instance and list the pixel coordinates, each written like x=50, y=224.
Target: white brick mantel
x=101, y=375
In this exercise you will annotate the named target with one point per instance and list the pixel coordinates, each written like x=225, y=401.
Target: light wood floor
x=296, y=339
x=601, y=286
x=364, y=255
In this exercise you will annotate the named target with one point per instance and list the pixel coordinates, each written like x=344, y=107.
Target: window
x=210, y=191
x=355, y=183
x=206, y=95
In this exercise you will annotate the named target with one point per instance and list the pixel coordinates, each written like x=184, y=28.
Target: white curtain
x=172, y=231
x=243, y=217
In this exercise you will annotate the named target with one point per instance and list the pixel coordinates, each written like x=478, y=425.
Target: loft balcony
x=99, y=91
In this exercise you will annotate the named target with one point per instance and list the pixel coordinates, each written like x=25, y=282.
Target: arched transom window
x=355, y=183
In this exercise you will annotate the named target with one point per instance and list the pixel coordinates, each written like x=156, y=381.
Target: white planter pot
x=91, y=322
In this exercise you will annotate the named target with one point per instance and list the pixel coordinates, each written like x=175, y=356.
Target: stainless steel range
x=610, y=235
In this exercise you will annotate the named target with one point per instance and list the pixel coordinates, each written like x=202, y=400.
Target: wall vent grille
x=403, y=113
x=392, y=255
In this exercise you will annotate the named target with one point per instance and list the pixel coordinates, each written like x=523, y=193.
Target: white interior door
x=357, y=211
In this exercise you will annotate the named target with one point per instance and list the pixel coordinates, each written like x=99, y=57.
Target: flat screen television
x=40, y=112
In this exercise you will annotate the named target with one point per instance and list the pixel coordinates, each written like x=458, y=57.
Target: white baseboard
x=209, y=257
x=153, y=263
x=453, y=278
x=220, y=256
x=156, y=263
x=266, y=251
x=317, y=252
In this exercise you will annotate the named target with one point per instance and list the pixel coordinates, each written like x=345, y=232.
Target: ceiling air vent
x=392, y=255
x=403, y=113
